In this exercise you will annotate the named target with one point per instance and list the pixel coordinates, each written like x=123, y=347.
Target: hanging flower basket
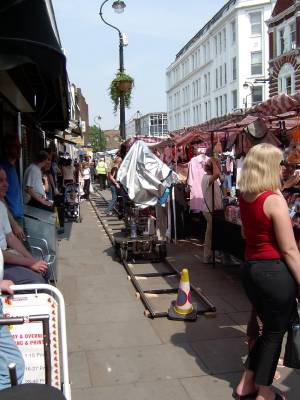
x=121, y=86
x=124, y=86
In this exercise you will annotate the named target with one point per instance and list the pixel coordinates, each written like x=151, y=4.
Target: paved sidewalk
x=117, y=353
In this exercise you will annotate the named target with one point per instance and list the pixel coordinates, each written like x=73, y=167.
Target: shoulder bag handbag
x=292, y=348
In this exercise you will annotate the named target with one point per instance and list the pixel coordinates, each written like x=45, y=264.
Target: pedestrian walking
x=210, y=182
x=86, y=175
x=101, y=170
x=114, y=185
x=271, y=272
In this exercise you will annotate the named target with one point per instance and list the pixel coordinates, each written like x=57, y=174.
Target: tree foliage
x=97, y=138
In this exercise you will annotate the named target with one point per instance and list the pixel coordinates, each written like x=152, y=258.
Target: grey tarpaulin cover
x=144, y=176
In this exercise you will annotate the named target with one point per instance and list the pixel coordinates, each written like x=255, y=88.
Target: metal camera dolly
x=141, y=247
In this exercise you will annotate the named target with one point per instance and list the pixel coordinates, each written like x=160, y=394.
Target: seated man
x=9, y=352
x=19, y=265
x=34, y=191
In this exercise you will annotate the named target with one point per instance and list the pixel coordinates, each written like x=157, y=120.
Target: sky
x=156, y=29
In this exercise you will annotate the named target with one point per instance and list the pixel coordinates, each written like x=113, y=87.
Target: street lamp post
x=97, y=120
x=118, y=6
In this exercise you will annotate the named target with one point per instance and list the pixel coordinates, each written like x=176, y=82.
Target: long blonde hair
x=261, y=169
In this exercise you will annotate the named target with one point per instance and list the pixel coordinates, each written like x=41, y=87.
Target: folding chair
x=39, y=247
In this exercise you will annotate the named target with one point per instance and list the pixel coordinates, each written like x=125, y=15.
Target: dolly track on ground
x=149, y=312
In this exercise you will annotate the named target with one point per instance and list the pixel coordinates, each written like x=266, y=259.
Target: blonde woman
x=271, y=273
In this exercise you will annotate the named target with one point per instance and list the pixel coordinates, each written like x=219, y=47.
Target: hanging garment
x=239, y=166
x=196, y=173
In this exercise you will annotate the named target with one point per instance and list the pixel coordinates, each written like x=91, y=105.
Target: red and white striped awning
x=279, y=104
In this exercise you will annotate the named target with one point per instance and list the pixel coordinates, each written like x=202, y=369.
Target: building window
x=170, y=103
x=225, y=103
x=281, y=41
x=234, y=99
x=255, y=22
x=234, y=68
x=205, y=84
x=216, y=75
x=233, y=32
x=224, y=39
x=286, y=79
x=221, y=76
x=220, y=106
x=257, y=94
x=216, y=45
x=288, y=84
x=256, y=63
x=220, y=42
x=225, y=73
x=217, y=107
x=208, y=82
x=158, y=124
x=293, y=35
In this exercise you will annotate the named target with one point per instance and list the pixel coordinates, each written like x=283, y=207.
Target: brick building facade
x=284, y=47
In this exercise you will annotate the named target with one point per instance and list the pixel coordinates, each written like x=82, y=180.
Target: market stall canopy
x=144, y=176
x=30, y=52
x=152, y=141
x=276, y=105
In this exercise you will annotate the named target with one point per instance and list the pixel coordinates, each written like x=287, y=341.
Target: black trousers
x=272, y=290
x=102, y=180
x=86, y=188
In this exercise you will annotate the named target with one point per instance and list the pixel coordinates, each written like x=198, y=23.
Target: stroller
x=72, y=202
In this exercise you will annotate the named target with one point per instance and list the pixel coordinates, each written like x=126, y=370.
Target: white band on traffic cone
x=183, y=304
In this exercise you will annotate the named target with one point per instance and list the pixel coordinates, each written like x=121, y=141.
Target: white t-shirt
x=86, y=172
x=207, y=194
x=5, y=227
x=33, y=178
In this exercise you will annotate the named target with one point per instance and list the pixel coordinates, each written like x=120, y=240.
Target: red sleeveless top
x=258, y=229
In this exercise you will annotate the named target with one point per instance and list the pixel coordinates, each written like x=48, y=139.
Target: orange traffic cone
x=183, y=308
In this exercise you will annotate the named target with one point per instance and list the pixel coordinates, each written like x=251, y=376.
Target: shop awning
x=64, y=140
x=276, y=105
x=30, y=52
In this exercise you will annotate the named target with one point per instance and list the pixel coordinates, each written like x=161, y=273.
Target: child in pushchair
x=72, y=202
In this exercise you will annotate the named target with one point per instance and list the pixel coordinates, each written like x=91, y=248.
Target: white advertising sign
x=29, y=336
